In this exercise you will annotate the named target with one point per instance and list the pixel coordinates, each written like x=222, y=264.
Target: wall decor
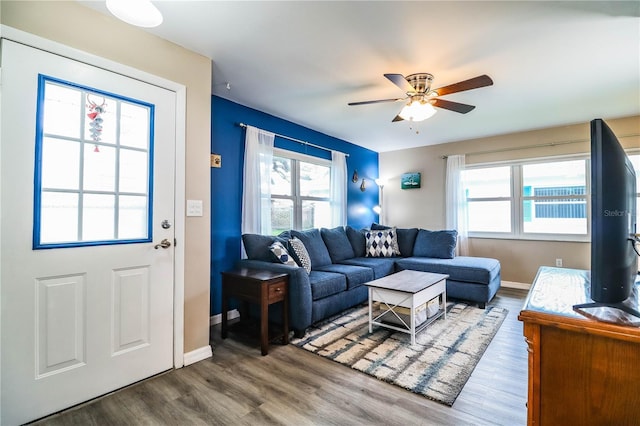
x=410, y=180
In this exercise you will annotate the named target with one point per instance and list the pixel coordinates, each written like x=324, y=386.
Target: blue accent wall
x=227, y=140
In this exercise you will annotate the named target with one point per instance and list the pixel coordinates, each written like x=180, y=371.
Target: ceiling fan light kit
x=417, y=110
x=422, y=99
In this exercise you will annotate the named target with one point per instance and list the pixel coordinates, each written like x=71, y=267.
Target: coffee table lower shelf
x=410, y=290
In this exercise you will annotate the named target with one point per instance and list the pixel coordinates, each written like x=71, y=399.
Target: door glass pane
x=134, y=126
x=316, y=214
x=281, y=215
x=488, y=182
x=132, y=220
x=133, y=171
x=281, y=176
x=489, y=216
x=94, y=149
x=315, y=180
x=59, y=217
x=99, y=169
x=97, y=217
x=63, y=111
x=60, y=164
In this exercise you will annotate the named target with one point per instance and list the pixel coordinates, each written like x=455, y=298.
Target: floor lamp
x=380, y=209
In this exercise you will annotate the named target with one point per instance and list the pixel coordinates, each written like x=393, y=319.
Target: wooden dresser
x=582, y=370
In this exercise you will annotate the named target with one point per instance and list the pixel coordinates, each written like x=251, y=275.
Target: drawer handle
x=278, y=290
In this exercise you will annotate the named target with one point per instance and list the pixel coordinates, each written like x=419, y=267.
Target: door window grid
x=92, y=183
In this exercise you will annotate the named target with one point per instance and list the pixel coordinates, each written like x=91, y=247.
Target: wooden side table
x=260, y=287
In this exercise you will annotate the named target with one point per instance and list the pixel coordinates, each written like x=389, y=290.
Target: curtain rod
x=540, y=145
x=244, y=126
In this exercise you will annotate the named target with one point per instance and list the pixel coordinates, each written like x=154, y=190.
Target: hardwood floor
x=238, y=386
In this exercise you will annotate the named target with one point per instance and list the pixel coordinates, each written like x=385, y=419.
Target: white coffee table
x=407, y=289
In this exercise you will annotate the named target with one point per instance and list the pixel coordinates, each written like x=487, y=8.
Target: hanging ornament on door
x=95, y=125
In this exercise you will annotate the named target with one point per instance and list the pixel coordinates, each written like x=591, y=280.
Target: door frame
x=180, y=90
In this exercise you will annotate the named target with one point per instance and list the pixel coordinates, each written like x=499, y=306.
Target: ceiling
x=552, y=63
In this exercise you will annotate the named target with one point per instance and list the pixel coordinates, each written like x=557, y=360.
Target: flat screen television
x=614, y=258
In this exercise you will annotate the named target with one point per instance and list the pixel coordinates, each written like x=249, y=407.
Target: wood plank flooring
x=238, y=386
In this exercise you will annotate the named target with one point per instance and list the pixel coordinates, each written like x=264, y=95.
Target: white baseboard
x=217, y=319
x=513, y=284
x=198, y=355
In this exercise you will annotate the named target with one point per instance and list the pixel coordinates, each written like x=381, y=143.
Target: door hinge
x=175, y=242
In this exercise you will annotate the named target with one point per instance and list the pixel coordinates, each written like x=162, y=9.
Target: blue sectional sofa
x=337, y=262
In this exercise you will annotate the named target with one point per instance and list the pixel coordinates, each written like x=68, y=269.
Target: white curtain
x=338, y=189
x=456, y=206
x=256, y=185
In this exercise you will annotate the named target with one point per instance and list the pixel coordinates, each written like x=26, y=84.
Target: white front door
x=86, y=298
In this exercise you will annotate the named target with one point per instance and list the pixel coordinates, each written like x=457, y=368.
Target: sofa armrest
x=299, y=290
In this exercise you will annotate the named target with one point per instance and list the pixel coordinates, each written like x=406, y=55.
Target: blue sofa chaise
x=337, y=262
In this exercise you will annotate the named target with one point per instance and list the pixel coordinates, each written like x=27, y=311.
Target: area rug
x=437, y=366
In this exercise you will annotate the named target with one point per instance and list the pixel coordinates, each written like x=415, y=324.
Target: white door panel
x=77, y=322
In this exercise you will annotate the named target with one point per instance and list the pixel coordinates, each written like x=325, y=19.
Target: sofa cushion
x=481, y=270
x=257, y=246
x=356, y=275
x=406, y=238
x=381, y=266
x=357, y=240
x=438, y=244
x=382, y=243
x=315, y=246
x=300, y=254
x=325, y=284
x=282, y=254
x=337, y=243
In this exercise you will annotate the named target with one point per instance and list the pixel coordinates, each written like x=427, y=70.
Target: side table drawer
x=277, y=292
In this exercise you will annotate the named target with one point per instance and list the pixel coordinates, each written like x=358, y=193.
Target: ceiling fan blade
x=376, y=102
x=401, y=82
x=472, y=83
x=452, y=106
x=397, y=118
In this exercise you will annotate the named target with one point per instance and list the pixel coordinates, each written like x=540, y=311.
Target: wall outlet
x=559, y=263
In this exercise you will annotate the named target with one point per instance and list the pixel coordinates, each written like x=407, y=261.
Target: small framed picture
x=410, y=181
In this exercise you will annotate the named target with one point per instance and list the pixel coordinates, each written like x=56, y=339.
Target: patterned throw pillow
x=281, y=253
x=300, y=253
x=382, y=243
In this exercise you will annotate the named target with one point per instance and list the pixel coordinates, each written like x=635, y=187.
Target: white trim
x=38, y=42
x=513, y=284
x=217, y=319
x=198, y=355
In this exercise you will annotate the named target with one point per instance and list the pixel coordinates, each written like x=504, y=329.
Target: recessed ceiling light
x=141, y=13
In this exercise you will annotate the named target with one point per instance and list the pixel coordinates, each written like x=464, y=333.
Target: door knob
x=164, y=244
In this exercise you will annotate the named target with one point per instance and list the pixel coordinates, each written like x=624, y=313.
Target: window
x=534, y=200
x=93, y=160
x=300, y=192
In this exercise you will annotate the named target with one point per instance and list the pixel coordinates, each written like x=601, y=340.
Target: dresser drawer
x=277, y=292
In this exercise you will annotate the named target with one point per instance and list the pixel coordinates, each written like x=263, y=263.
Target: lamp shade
x=417, y=110
x=141, y=13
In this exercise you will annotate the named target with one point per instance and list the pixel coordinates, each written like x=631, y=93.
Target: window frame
x=40, y=135
x=295, y=196
x=517, y=198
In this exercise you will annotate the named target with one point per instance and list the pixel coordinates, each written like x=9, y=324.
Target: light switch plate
x=194, y=207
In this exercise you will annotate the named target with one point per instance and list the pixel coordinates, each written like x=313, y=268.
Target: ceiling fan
x=422, y=98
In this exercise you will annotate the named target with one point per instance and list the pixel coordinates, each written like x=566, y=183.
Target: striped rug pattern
x=437, y=366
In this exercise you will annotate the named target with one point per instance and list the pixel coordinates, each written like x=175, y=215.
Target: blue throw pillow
x=257, y=246
x=438, y=244
x=315, y=246
x=337, y=243
x=357, y=240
